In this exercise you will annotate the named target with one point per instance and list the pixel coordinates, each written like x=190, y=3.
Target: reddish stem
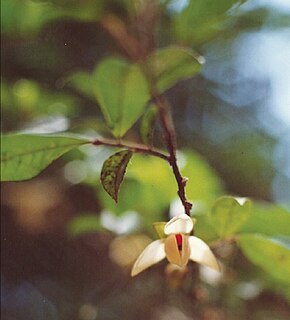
x=135, y=147
x=170, y=139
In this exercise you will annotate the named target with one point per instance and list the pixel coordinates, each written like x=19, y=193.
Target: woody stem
x=170, y=140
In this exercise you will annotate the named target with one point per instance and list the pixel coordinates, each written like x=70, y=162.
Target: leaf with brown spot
x=113, y=172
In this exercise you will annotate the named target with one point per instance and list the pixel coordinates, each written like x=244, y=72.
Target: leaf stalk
x=135, y=147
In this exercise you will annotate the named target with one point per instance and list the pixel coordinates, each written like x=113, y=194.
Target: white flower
x=178, y=247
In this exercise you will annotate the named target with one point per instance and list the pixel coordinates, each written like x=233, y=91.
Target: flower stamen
x=178, y=238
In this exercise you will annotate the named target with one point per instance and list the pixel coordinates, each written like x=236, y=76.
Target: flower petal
x=177, y=252
x=152, y=254
x=201, y=253
x=179, y=224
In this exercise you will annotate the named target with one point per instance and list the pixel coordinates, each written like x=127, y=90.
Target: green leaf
x=229, y=214
x=113, y=172
x=203, y=228
x=122, y=92
x=270, y=254
x=173, y=64
x=268, y=219
x=201, y=19
x=23, y=156
x=147, y=123
x=83, y=82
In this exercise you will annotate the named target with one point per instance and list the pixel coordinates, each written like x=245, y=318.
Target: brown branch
x=170, y=139
x=135, y=147
x=118, y=30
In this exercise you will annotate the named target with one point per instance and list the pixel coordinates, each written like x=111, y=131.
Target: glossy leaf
x=23, y=156
x=173, y=64
x=122, y=92
x=147, y=124
x=229, y=214
x=113, y=172
x=270, y=254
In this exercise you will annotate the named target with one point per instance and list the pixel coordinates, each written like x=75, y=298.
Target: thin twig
x=135, y=147
x=170, y=139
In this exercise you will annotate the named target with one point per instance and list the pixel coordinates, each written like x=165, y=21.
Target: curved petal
x=152, y=254
x=177, y=252
x=201, y=253
x=179, y=224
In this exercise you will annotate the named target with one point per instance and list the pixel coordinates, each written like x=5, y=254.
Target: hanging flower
x=177, y=246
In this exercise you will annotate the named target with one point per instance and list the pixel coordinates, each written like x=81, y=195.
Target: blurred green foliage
x=271, y=254
x=62, y=232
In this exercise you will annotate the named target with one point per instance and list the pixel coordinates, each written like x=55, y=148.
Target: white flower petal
x=179, y=224
x=201, y=253
x=152, y=254
x=241, y=200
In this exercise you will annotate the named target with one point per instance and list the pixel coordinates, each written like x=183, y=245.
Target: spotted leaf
x=113, y=172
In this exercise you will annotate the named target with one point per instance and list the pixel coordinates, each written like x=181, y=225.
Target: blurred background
x=66, y=248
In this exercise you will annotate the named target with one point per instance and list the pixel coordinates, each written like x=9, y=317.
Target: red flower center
x=178, y=238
